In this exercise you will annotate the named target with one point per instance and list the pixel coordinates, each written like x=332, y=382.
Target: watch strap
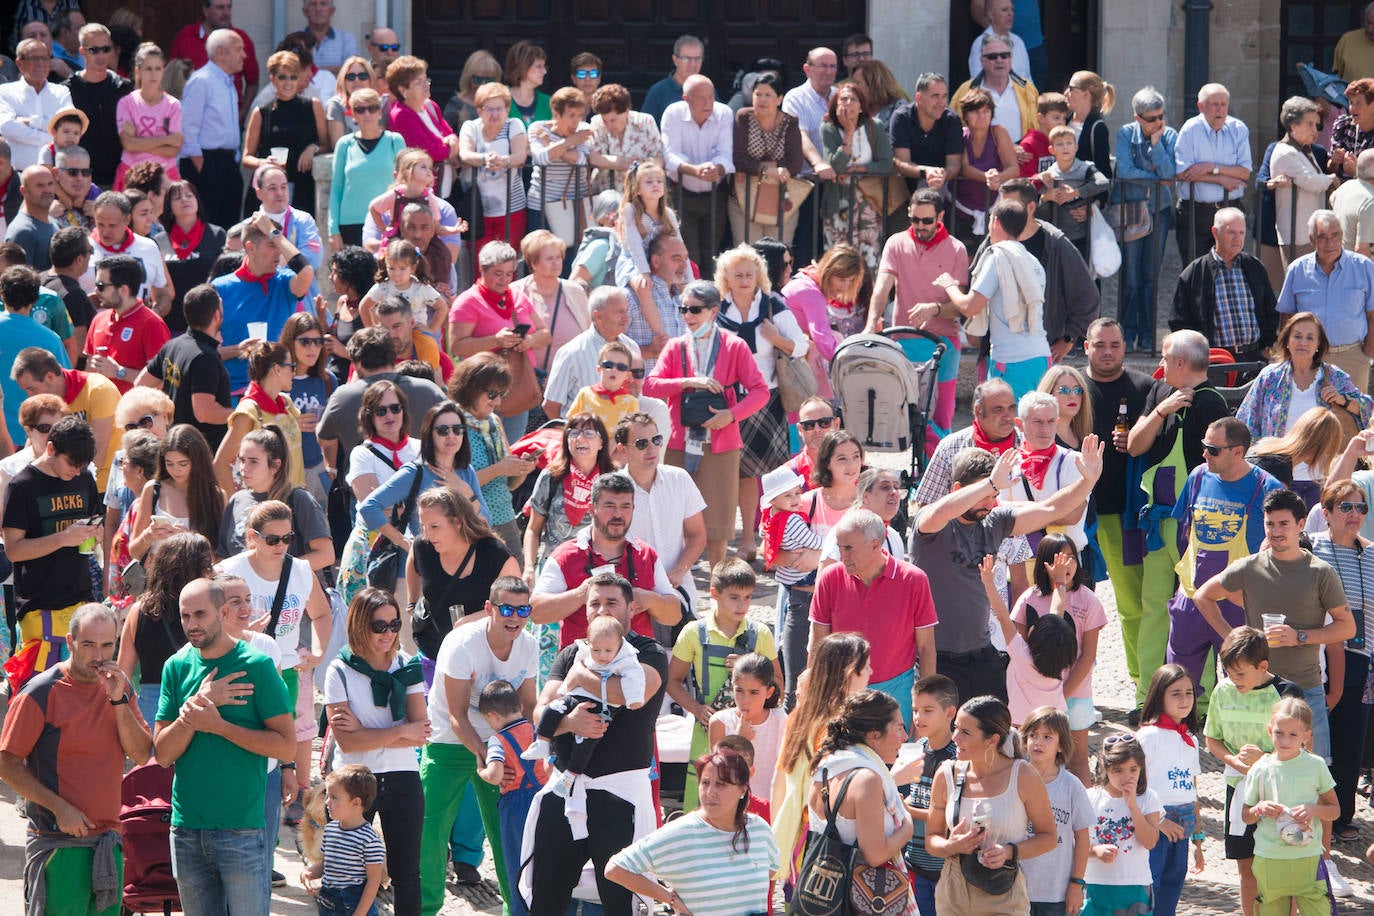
x=122, y=701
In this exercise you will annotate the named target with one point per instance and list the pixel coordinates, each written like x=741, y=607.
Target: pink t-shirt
x=1083, y=606
x=887, y=612
x=471, y=308
x=915, y=268
x=1028, y=689
x=149, y=121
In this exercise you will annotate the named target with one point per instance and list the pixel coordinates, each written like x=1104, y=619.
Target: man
x=1001, y=16
x=192, y=44
x=1046, y=466
x=27, y=104
x=902, y=637
x=66, y=38
x=698, y=144
x=575, y=364
x=1178, y=410
x=332, y=46
x=394, y=316
x=910, y=264
x=31, y=228
x=190, y=371
x=993, y=429
x=65, y=739
x=220, y=752
x=11, y=198
x=299, y=227
x=951, y=537
x=70, y=254
x=210, y=126
x=880, y=492
x=74, y=192
x=1014, y=95
x=619, y=806
x=51, y=522
x=419, y=228
x=1225, y=294
x=809, y=103
x=1353, y=203
x=96, y=90
x=1111, y=386
x=125, y=334
x=88, y=395
x=1028, y=29
x=1212, y=156
x=1220, y=519
x=927, y=138
x=261, y=290
x=1353, y=58
x=856, y=49
x=1338, y=287
x=113, y=236
x=563, y=585
x=815, y=419
x=688, y=53
x=1010, y=283
x=383, y=46
x=19, y=332
x=59, y=70
x=668, y=273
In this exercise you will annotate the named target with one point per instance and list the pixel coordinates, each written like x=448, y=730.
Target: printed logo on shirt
x=1181, y=778
x=1117, y=831
x=126, y=334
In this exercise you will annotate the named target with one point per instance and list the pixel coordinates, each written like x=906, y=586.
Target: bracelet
x=298, y=262
x=1079, y=881
x=1199, y=837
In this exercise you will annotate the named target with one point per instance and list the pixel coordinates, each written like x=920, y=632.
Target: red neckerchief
x=803, y=464
x=184, y=244
x=774, y=526
x=1035, y=464
x=116, y=249
x=577, y=494
x=393, y=447
x=502, y=305
x=243, y=273
x=75, y=381
x=264, y=400
x=622, y=391
x=1166, y=722
x=980, y=440
x=5, y=190
x=941, y=233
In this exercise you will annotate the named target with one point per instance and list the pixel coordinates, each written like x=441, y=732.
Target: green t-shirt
x=1237, y=719
x=1299, y=781
x=219, y=785
x=51, y=312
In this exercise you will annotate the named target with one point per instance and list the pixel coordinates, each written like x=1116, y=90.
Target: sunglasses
x=823, y=423
x=583, y=433
x=292, y=367
x=382, y=410
x=145, y=422
x=693, y=309
x=514, y=610
x=637, y=373
x=355, y=77
x=642, y=444
x=393, y=47
x=99, y=49
x=496, y=395
x=1076, y=390
x=1151, y=119
x=448, y=429
x=311, y=341
x=76, y=173
x=481, y=81
x=925, y=220
x=999, y=55
x=366, y=109
x=272, y=540
x=1111, y=740
x=612, y=364
x=588, y=74
x=1348, y=507
x=102, y=284
x=385, y=626
x=1214, y=450
x=41, y=428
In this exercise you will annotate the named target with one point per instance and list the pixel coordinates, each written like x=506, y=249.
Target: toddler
x=346, y=882
x=518, y=779
x=784, y=529
x=403, y=272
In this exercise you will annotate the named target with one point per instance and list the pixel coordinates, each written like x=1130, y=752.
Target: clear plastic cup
x=1273, y=620
x=257, y=330
x=279, y=153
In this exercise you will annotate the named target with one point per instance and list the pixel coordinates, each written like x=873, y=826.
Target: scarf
x=503, y=305
x=268, y=403
x=492, y=437
x=184, y=244
x=247, y=275
x=1035, y=464
x=607, y=395
x=981, y=440
x=941, y=233
x=1166, y=723
x=577, y=494
x=393, y=447
x=773, y=527
x=121, y=247
x=388, y=687
x=745, y=330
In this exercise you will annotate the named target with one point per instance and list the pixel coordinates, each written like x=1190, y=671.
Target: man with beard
x=993, y=430
x=125, y=334
x=953, y=535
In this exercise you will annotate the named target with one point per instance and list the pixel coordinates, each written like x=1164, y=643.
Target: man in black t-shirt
x=70, y=253
x=189, y=369
x=96, y=90
x=927, y=138
x=618, y=805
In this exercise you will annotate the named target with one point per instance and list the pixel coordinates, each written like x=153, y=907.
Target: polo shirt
x=334, y=48
x=187, y=365
x=660, y=510
x=915, y=268
x=1353, y=58
x=1340, y=299
x=248, y=298
x=887, y=612
x=928, y=147
x=18, y=332
x=132, y=339
x=1197, y=142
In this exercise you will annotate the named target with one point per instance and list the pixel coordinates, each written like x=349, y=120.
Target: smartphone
x=522, y=329
x=96, y=520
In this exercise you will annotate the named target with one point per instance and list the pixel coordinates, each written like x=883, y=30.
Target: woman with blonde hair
x=288, y=119
x=562, y=304
x=479, y=69
x=1070, y=389
x=355, y=74
x=1301, y=458
x=1089, y=99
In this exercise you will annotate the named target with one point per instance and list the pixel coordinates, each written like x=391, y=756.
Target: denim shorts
x=1082, y=713
x=342, y=901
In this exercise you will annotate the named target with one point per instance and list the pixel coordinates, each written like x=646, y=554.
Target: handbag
x=1106, y=255
x=796, y=381
x=423, y=627
x=827, y=866
x=386, y=559
x=697, y=404
x=871, y=187
x=994, y=881
x=524, y=391
x=1132, y=218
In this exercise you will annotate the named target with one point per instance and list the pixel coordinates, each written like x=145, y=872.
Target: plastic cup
x=1273, y=620
x=279, y=153
x=87, y=547
x=257, y=330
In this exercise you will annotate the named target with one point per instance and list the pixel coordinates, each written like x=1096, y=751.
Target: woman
x=767, y=148
x=584, y=71
x=264, y=464
x=526, y=67
x=477, y=387
x=451, y=567
x=152, y=631
x=141, y=216
x=856, y=146
x=1301, y=459
x=1070, y=389
x=184, y=496
x=560, y=505
x=826, y=299
x=778, y=256
x=363, y=162
x=1299, y=183
x=1353, y=132
x=996, y=782
x=303, y=338
x=1345, y=508
x=559, y=148
x=762, y=320
x=620, y=138
x=560, y=304
x=149, y=120
x=416, y=117
x=189, y=247
x=842, y=668
x=1089, y=99
x=356, y=73
x=289, y=120
x=880, y=89
x=989, y=160
x=494, y=145
x=374, y=698
x=721, y=831
x=139, y=408
x=271, y=371
x=1286, y=389
x=352, y=271
x=1145, y=168
x=479, y=69
x=835, y=480
x=706, y=366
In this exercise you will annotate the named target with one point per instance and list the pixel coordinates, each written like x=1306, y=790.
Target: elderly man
x=96, y=90
x=192, y=43
x=1013, y=94
x=1353, y=58
x=383, y=46
x=1212, y=157
x=58, y=70
x=11, y=198
x=31, y=229
x=654, y=315
x=1046, y=466
x=880, y=492
x=575, y=364
x=28, y=103
x=927, y=138
x=1225, y=294
x=332, y=46
x=993, y=429
x=113, y=236
x=1001, y=15
x=274, y=199
x=1338, y=287
x=1353, y=204
x=699, y=143
x=210, y=128
x=809, y=103
x=1027, y=28
x=688, y=53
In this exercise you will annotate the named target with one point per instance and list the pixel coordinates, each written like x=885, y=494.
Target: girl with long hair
x=271, y=370
x=264, y=464
x=303, y=337
x=184, y=495
x=1301, y=458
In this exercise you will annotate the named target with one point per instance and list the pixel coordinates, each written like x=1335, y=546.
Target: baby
x=785, y=530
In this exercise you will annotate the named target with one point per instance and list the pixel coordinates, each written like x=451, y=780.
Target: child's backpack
x=145, y=812
x=724, y=697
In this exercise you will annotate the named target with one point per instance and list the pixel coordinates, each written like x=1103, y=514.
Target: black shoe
x=463, y=873
x=278, y=879
x=1133, y=718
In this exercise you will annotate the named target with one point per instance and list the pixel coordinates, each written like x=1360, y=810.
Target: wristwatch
x=121, y=372
x=276, y=233
x=1216, y=170
x=1302, y=637
x=122, y=701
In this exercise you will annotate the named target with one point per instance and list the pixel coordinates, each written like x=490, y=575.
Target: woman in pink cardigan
x=700, y=374
x=417, y=117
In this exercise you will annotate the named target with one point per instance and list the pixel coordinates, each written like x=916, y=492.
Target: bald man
x=30, y=228
x=698, y=134
x=809, y=103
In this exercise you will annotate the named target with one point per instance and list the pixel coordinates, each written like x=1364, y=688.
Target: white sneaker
x=539, y=750
x=1339, y=886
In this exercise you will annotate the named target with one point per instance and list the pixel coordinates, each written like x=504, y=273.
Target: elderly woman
x=620, y=138
x=560, y=304
x=356, y=73
x=479, y=69
x=855, y=146
x=768, y=149
x=1145, y=168
x=526, y=67
x=1299, y=183
x=363, y=163
x=289, y=120
x=494, y=145
x=989, y=160
x=1353, y=132
x=883, y=94
x=700, y=375
x=416, y=117
x=585, y=70
x=559, y=148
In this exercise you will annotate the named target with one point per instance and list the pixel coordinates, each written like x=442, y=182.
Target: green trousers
x=445, y=771
x=1158, y=584
x=67, y=877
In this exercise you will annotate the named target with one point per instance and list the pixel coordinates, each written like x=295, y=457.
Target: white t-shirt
x=1047, y=875
x=145, y=249
x=1299, y=403
x=1171, y=766
x=288, y=636
x=659, y=513
x=1113, y=824
x=363, y=460
x=767, y=740
x=344, y=685
x=465, y=654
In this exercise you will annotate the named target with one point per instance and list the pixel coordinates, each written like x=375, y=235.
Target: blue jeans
x=271, y=810
x=219, y=871
x=1321, y=725
x=342, y=901
x=924, y=889
x=148, y=695
x=515, y=426
x=1169, y=868
x=1139, y=273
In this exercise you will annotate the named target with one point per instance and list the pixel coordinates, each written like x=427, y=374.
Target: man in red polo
x=883, y=599
x=125, y=334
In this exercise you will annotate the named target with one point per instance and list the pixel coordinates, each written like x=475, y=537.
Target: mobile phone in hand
x=522, y=329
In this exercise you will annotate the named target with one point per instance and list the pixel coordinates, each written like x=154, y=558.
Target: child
x=1085, y=610
x=1236, y=735
x=1054, y=881
x=1288, y=794
x=1044, y=653
x=935, y=701
x=606, y=652
x=65, y=127
x=1168, y=719
x=1033, y=152
x=784, y=529
x=705, y=653
x=755, y=715
x=149, y=120
x=1125, y=828
x=353, y=853
x=610, y=398
x=519, y=779
x=414, y=184
x=1070, y=185
x=402, y=272
x=644, y=208
x=745, y=748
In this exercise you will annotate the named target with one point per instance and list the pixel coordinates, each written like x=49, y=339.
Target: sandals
x=1345, y=834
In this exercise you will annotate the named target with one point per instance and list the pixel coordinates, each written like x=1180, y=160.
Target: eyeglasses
x=642, y=444
x=384, y=626
x=1111, y=740
x=311, y=341
x=612, y=364
x=482, y=81
x=822, y=422
x=391, y=47
x=637, y=373
x=382, y=410
x=292, y=367
x=1151, y=119
x=494, y=109
x=355, y=77
x=76, y=173
x=1348, y=507
x=1076, y=390
x=690, y=60
x=366, y=109
x=98, y=49
x=1000, y=55
x=101, y=284
x=515, y=610
x=145, y=422
x=693, y=309
x=496, y=395
x=1214, y=450
x=35, y=58
x=588, y=74
x=925, y=220
x=272, y=540
x=1072, y=87
x=583, y=433
x=41, y=428
x=448, y=429
x=858, y=55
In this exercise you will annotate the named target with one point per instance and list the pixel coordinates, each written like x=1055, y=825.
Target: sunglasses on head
x=383, y=409
x=1110, y=740
x=642, y=444
x=589, y=74
x=366, y=109
x=925, y=220
x=822, y=422
x=385, y=626
x=1348, y=507
x=311, y=341
x=145, y=422
x=997, y=55
x=1076, y=390
x=448, y=429
x=391, y=47
x=612, y=364
x=76, y=173
x=272, y=540
x=1214, y=450
x=514, y=610
x=692, y=309
x=41, y=428
x=355, y=77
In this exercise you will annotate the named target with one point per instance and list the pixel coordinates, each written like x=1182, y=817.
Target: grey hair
x=219, y=38
x=68, y=153
x=1319, y=217
x=1191, y=347
x=703, y=291
x=1209, y=90
x=862, y=521
x=88, y=612
x=602, y=296
x=989, y=38
x=1295, y=109
x=1225, y=215
x=684, y=41
x=924, y=81
x=1364, y=165
x=1147, y=99
x=605, y=203
x=496, y=253
x=981, y=392
x=1036, y=400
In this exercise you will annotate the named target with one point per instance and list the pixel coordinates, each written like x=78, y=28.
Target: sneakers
x=562, y=786
x=278, y=879
x=539, y=750
x=463, y=873
x=1339, y=886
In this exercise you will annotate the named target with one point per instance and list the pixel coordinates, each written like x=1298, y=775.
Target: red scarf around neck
x=773, y=527
x=264, y=400
x=123, y=246
x=502, y=305
x=1166, y=722
x=1035, y=464
x=981, y=440
x=604, y=393
x=577, y=494
x=393, y=447
x=184, y=244
x=941, y=233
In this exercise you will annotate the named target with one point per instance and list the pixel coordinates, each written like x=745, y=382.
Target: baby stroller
x=146, y=813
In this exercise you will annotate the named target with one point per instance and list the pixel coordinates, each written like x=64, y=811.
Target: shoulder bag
x=827, y=864
x=279, y=599
x=994, y=881
x=796, y=381
x=422, y=623
x=386, y=559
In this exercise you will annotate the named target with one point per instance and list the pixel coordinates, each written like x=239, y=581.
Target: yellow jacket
x=1026, y=98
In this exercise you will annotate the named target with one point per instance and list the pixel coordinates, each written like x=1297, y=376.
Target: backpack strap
x=743, y=644
x=280, y=598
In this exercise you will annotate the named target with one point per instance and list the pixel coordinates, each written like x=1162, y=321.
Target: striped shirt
x=735, y=884
x=797, y=535
x=1236, y=324
x=1358, y=584
x=348, y=852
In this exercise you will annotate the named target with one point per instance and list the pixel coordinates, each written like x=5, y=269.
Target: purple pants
x=1191, y=636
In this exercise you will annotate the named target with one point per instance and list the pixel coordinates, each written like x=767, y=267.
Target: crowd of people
x=277, y=466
